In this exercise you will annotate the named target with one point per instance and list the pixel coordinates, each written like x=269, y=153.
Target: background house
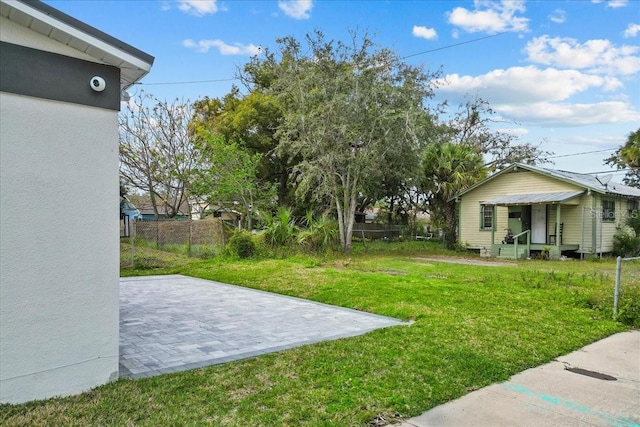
x=148, y=214
x=563, y=211
x=203, y=209
x=60, y=89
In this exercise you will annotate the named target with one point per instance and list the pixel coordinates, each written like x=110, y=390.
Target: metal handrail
x=515, y=243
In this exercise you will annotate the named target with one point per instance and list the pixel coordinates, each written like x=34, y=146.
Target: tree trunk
x=154, y=203
x=450, y=225
x=283, y=189
x=350, y=218
x=341, y=228
x=346, y=210
x=250, y=214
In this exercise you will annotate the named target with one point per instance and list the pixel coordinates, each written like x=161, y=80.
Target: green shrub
x=321, y=233
x=629, y=305
x=625, y=244
x=633, y=222
x=204, y=251
x=241, y=244
x=281, y=228
x=600, y=299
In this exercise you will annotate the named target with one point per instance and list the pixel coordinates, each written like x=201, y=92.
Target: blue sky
x=562, y=73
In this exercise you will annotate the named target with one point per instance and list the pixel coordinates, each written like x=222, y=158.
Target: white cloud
x=198, y=7
x=517, y=132
x=526, y=85
x=490, y=16
x=424, y=32
x=544, y=97
x=296, y=9
x=598, y=56
x=617, y=3
x=561, y=114
x=632, y=30
x=224, y=48
x=613, y=3
x=558, y=16
x=593, y=140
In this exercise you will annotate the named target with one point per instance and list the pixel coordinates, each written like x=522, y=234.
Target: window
x=486, y=217
x=608, y=210
x=633, y=208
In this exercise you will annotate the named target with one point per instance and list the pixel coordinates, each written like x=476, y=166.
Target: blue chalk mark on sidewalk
x=621, y=421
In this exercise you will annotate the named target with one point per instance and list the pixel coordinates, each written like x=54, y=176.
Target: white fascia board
x=107, y=48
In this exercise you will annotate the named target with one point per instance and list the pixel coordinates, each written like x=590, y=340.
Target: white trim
x=106, y=48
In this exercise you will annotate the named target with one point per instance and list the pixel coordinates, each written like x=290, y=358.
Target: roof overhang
x=564, y=197
x=50, y=22
x=524, y=167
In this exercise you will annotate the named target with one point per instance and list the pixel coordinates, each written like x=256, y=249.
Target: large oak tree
x=346, y=108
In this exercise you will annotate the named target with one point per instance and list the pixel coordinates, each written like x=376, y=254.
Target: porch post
x=493, y=224
x=594, y=224
x=558, y=236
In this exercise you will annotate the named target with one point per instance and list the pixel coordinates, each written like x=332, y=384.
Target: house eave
x=50, y=22
x=517, y=166
x=555, y=198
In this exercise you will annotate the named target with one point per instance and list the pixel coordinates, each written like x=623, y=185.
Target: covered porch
x=534, y=224
x=523, y=251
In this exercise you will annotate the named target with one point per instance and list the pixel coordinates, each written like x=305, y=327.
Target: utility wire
x=477, y=39
x=403, y=57
x=609, y=171
x=456, y=44
x=580, y=154
x=186, y=82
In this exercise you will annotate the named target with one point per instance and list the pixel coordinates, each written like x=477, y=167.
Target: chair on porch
x=552, y=237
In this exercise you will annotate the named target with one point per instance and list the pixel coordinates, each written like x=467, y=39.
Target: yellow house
x=524, y=210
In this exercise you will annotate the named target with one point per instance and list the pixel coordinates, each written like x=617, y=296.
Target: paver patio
x=174, y=323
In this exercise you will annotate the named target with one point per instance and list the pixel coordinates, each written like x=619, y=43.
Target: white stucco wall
x=59, y=272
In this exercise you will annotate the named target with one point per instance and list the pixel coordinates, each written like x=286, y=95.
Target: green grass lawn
x=473, y=325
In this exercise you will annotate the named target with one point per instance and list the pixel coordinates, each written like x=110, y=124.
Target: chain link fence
x=363, y=232
x=196, y=238
x=374, y=231
x=626, y=293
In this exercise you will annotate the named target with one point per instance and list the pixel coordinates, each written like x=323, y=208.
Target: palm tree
x=630, y=152
x=448, y=168
x=628, y=157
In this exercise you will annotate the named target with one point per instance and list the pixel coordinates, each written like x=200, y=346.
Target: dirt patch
x=393, y=272
x=453, y=260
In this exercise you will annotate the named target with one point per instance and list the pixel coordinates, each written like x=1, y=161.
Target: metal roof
x=50, y=22
x=532, y=199
x=600, y=184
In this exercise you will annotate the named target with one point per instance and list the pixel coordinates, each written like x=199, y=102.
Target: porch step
x=509, y=252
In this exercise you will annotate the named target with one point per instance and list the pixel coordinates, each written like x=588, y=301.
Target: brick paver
x=174, y=323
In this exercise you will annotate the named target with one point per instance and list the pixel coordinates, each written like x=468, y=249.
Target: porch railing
x=528, y=244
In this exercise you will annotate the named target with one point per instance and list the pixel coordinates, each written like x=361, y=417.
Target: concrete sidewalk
x=598, y=385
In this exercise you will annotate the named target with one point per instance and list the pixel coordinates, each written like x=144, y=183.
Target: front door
x=515, y=220
x=539, y=224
